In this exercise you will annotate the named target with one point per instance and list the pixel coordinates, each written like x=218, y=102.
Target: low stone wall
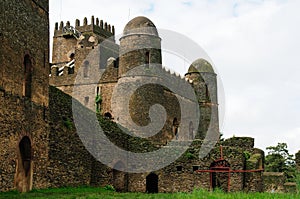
x=274, y=182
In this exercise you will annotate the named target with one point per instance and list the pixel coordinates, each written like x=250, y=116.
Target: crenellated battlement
x=96, y=26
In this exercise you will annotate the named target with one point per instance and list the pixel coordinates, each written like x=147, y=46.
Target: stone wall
x=19, y=118
x=274, y=182
x=24, y=31
x=24, y=55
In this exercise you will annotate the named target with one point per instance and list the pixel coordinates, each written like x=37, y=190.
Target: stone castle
x=39, y=144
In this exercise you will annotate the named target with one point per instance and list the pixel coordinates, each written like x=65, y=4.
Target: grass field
x=93, y=193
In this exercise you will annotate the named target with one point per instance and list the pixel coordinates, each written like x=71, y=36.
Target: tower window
x=86, y=69
x=175, y=128
x=206, y=91
x=28, y=76
x=86, y=101
x=70, y=70
x=147, y=57
x=72, y=56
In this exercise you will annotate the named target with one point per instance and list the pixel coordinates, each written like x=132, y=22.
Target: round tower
x=204, y=81
x=139, y=45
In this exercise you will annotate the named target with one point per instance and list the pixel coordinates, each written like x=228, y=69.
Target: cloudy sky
x=254, y=46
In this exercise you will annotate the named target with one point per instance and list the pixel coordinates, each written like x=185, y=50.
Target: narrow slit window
x=86, y=69
x=86, y=101
x=147, y=57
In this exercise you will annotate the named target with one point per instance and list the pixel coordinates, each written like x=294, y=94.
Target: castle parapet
x=97, y=26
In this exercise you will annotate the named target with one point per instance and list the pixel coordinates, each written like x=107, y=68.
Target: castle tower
x=24, y=77
x=204, y=81
x=139, y=45
x=77, y=53
x=140, y=62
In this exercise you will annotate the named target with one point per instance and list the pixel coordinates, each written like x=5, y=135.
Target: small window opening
x=72, y=56
x=107, y=115
x=86, y=69
x=147, y=57
x=175, y=128
x=86, y=101
x=28, y=76
x=191, y=131
x=195, y=168
x=179, y=168
x=206, y=91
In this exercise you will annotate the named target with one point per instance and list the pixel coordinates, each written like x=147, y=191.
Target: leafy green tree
x=279, y=160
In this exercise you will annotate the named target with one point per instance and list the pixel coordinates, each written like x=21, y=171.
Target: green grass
x=93, y=193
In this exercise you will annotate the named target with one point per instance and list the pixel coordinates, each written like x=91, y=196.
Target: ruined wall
x=274, y=181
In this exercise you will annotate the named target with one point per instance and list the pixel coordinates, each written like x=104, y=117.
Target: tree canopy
x=279, y=160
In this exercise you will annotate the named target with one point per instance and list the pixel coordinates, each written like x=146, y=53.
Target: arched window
x=191, y=131
x=175, y=127
x=86, y=69
x=72, y=56
x=107, y=115
x=23, y=176
x=206, y=91
x=147, y=57
x=28, y=76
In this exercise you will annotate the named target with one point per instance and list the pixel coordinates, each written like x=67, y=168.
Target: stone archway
x=152, y=183
x=24, y=166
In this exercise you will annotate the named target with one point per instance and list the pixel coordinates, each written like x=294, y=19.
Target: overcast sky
x=254, y=45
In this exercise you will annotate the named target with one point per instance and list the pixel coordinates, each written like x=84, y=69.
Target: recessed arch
x=24, y=167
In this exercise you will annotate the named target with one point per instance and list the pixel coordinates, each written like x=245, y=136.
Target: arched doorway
x=119, y=177
x=152, y=183
x=28, y=76
x=220, y=179
x=23, y=177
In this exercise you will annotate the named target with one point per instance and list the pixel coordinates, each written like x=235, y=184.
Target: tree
x=279, y=160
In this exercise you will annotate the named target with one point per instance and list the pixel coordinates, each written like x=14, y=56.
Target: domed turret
x=140, y=25
x=139, y=45
x=202, y=66
x=204, y=81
